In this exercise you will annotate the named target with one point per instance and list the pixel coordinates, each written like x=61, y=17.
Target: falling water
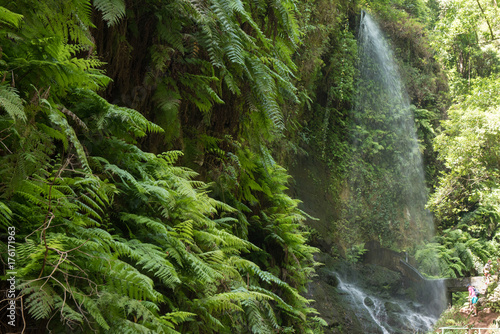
x=374, y=310
x=358, y=297
x=387, y=192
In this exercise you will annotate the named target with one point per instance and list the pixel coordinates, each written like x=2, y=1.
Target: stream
x=385, y=314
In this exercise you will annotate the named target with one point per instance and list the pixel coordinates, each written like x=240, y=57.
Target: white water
x=387, y=174
x=386, y=192
x=418, y=322
x=358, y=297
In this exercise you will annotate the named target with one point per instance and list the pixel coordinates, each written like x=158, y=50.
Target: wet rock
x=329, y=303
x=394, y=320
x=329, y=278
x=380, y=279
x=368, y=302
x=393, y=307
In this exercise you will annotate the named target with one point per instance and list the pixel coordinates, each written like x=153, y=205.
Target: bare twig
x=486, y=18
x=22, y=314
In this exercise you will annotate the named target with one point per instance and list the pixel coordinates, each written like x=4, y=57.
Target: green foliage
x=465, y=201
x=354, y=254
x=10, y=18
x=11, y=102
x=454, y=254
x=276, y=228
x=466, y=32
x=467, y=146
x=114, y=238
x=328, y=125
x=112, y=10
x=332, y=95
x=248, y=69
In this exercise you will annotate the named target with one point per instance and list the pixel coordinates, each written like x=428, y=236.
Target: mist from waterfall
x=386, y=193
x=385, y=196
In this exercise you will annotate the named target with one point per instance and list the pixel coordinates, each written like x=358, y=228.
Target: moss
x=380, y=279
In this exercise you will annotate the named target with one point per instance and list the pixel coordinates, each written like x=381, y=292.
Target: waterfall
x=358, y=298
x=386, y=186
x=389, y=315
x=386, y=195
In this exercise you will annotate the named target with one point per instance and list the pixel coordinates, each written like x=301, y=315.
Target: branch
x=487, y=22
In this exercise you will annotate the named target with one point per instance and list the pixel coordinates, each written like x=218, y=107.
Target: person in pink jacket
x=472, y=299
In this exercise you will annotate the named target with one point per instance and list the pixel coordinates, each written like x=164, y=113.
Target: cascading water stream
x=358, y=297
x=374, y=308
x=386, y=183
x=386, y=193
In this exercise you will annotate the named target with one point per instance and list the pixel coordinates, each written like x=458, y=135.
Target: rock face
x=339, y=317
x=329, y=303
x=309, y=175
x=367, y=299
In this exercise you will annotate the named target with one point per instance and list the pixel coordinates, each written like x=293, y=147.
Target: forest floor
x=484, y=319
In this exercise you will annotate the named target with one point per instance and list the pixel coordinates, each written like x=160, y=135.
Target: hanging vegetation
x=113, y=233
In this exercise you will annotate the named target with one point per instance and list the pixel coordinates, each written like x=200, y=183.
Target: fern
x=153, y=259
x=10, y=18
x=5, y=215
x=113, y=10
x=40, y=300
x=120, y=239
x=257, y=322
x=11, y=102
x=92, y=307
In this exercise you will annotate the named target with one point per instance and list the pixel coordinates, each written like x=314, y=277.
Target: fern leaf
x=112, y=10
x=92, y=307
x=11, y=102
x=10, y=18
x=40, y=298
x=179, y=317
x=5, y=215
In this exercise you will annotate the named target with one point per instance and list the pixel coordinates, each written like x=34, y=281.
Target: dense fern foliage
x=144, y=148
x=113, y=232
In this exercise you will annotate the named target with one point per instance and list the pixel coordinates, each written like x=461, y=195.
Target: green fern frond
x=54, y=133
x=5, y=215
x=58, y=118
x=125, y=176
x=92, y=307
x=131, y=119
x=176, y=250
x=179, y=317
x=10, y=101
x=248, y=266
x=280, y=302
x=202, y=270
x=126, y=279
x=231, y=301
x=112, y=10
x=68, y=314
x=10, y=18
x=154, y=225
x=39, y=298
x=171, y=157
x=256, y=321
x=170, y=31
x=153, y=259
